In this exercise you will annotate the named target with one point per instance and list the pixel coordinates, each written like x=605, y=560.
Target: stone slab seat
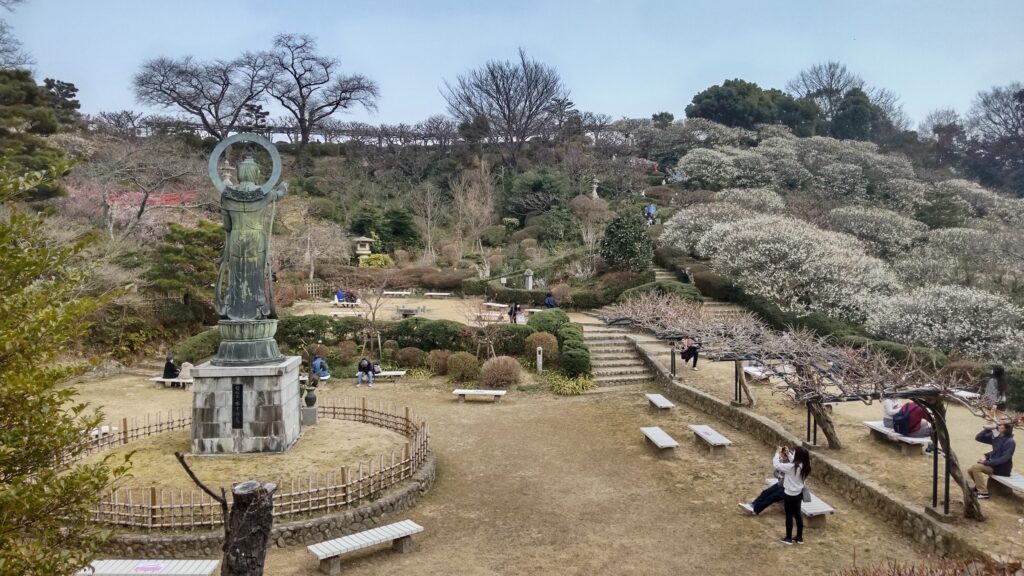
x=659, y=438
x=462, y=393
x=394, y=375
x=329, y=553
x=172, y=382
x=437, y=294
x=659, y=401
x=815, y=511
x=908, y=445
x=1013, y=483
x=712, y=438
x=157, y=567
x=397, y=293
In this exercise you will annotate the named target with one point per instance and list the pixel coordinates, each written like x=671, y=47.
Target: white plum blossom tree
x=686, y=227
x=842, y=181
x=753, y=199
x=706, y=168
x=884, y=232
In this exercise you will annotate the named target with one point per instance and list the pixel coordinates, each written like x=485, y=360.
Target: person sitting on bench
x=691, y=349
x=170, y=370
x=364, y=369
x=549, y=301
x=998, y=462
x=774, y=493
x=319, y=370
x=912, y=421
x=339, y=296
x=890, y=408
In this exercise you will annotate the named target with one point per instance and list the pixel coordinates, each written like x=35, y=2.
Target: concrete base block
x=308, y=415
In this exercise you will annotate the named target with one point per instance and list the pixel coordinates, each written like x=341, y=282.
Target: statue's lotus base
x=247, y=343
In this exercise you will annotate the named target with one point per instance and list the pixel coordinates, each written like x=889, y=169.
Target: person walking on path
x=794, y=473
x=998, y=462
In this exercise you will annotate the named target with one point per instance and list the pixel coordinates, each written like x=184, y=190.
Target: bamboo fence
x=320, y=493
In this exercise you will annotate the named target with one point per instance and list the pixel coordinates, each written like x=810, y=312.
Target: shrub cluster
x=198, y=347
x=510, y=339
x=293, y=330
x=548, y=320
x=566, y=386
x=500, y=372
x=428, y=334
x=409, y=357
x=437, y=360
x=463, y=367
x=575, y=356
x=687, y=291
x=545, y=340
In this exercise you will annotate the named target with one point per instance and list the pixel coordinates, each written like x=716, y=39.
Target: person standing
x=996, y=387
x=998, y=462
x=793, y=476
x=513, y=312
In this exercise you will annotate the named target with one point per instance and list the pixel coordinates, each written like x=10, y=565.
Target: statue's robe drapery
x=244, y=290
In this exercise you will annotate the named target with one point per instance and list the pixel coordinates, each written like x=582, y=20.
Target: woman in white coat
x=794, y=473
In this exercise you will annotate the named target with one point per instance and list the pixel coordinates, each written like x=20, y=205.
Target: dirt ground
x=457, y=309
x=540, y=484
x=908, y=476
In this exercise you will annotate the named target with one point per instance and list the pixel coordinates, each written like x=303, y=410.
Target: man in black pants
x=691, y=349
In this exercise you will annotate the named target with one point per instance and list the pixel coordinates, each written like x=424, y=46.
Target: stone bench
x=158, y=567
x=393, y=375
x=462, y=393
x=659, y=402
x=815, y=511
x=1007, y=484
x=329, y=553
x=399, y=293
x=907, y=444
x=658, y=438
x=182, y=383
x=715, y=442
x=104, y=430
x=437, y=294
x=345, y=304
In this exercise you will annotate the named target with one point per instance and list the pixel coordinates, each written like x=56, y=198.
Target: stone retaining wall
x=911, y=519
x=208, y=544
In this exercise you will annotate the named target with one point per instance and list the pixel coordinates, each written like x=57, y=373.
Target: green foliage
x=410, y=357
x=568, y=386
x=61, y=98
x=588, y=299
x=438, y=361
x=625, y=244
x=901, y=352
x=545, y=340
x=858, y=119
x=294, y=330
x=662, y=120
x=510, y=339
x=376, y=261
x=536, y=191
x=198, y=347
x=428, y=334
x=26, y=112
x=45, y=501
x=570, y=334
x=575, y=362
x=688, y=291
x=548, y=320
x=186, y=259
x=510, y=224
x=743, y=104
x=474, y=287
x=500, y=372
x=493, y=236
x=463, y=367
x=944, y=209
x=558, y=226
x=517, y=296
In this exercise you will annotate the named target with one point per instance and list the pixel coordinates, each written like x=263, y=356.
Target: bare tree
x=124, y=124
x=592, y=213
x=514, y=97
x=323, y=239
x=127, y=174
x=311, y=87
x=215, y=93
x=934, y=119
x=428, y=204
x=12, y=55
x=473, y=203
x=441, y=130
x=998, y=113
x=826, y=84
x=889, y=103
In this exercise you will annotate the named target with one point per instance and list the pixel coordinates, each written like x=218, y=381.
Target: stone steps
x=621, y=380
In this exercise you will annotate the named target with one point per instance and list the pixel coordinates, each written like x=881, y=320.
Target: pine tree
x=626, y=244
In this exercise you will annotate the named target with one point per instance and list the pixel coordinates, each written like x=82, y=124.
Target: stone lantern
x=528, y=275
x=363, y=246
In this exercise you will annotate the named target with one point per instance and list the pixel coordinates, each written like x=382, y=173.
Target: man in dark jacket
x=998, y=462
x=170, y=370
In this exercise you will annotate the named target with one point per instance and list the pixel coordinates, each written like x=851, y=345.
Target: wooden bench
x=906, y=443
x=1007, y=484
x=437, y=294
x=462, y=393
x=715, y=442
x=329, y=553
x=399, y=293
x=158, y=567
x=658, y=438
x=173, y=382
x=659, y=402
x=815, y=511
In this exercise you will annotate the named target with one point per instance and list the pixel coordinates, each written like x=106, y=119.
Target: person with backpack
x=364, y=369
x=793, y=476
x=998, y=462
x=912, y=421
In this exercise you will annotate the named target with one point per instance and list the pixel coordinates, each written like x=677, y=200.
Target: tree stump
x=247, y=529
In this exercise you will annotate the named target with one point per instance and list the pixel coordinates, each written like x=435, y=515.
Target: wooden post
x=124, y=430
x=364, y=410
x=248, y=529
x=152, y=506
x=408, y=420
x=344, y=485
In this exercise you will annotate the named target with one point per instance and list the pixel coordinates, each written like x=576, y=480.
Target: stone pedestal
x=237, y=409
x=308, y=415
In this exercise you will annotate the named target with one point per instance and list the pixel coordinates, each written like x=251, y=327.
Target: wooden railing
x=320, y=493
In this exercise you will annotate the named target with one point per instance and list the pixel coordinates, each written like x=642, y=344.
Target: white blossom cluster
x=754, y=199
x=797, y=265
x=904, y=195
x=984, y=203
x=884, y=232
x=967, y=321
x=707, y=168
x=686, y=227
x=842, y=181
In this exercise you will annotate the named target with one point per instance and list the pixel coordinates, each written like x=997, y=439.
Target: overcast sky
x=623, y=58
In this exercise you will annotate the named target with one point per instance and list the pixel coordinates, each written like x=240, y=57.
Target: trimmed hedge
x=291, y=331
x=511, y=339
x=474, y=287
x=548, y=320
x=198, y=347
x=687, y=291
x=428, y=334
x=463, y=367
x=575, y=362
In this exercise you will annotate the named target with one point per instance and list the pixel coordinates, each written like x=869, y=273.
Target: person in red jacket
x=913, y=421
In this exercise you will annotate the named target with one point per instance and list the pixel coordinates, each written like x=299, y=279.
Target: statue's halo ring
x=267, y=145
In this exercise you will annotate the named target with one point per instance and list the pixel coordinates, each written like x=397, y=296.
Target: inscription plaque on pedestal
x=237, y=414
